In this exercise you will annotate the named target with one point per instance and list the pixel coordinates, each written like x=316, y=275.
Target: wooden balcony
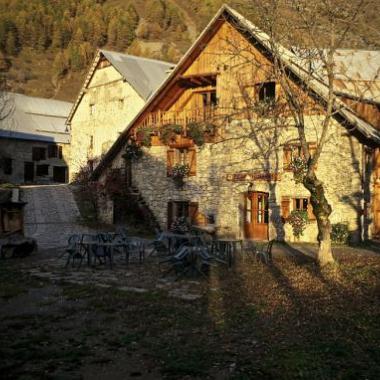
x=156, y=120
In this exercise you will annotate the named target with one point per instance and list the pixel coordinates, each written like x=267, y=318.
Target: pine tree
x=60, y=65
x=11, y=43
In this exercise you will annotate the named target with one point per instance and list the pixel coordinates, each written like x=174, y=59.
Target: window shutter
x=287, y=157
x=60, y=155
x=310, y=213
x=170, y=214
x=193, y=212
x=285, y=207
x=169, y=162
x=192, y=160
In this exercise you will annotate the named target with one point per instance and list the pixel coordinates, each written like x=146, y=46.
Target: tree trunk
x=322, y=211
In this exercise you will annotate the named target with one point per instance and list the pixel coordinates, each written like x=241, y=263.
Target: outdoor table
x=108, y=247
x=227, y=247
x=173, y=238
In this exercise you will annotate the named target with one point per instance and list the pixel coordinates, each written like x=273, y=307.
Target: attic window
x=266, y=91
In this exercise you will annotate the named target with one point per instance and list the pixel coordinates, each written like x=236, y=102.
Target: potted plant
x=144, y=136
x=196, y=132
x=133, y=151
x=169, y=132
x=179, y=172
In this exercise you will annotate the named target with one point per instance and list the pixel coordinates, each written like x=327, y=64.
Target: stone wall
x=339, y=167
x=20, y=151
x=106, y=108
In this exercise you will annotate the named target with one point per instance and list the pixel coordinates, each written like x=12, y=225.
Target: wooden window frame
x=309, y=207
x=261, y=96
x=181, y=156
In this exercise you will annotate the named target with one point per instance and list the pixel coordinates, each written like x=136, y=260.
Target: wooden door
x=256, y=216
x=376, y=192
x=28, y=171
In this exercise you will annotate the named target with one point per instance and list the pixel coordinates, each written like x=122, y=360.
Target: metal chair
x=73, y=250
x=265, y=253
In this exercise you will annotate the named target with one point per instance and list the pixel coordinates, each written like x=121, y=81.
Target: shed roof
x=37, y=119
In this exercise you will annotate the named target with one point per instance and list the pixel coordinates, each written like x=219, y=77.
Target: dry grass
x=289, y=320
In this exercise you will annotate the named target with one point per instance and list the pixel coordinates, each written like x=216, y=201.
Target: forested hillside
x=46, y=45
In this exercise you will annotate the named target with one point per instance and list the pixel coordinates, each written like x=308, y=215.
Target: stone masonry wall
x=106, y=108
x=20, y=151
x=340, y=168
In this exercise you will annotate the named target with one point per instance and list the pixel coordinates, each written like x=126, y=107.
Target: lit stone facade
x=340, y=168
x=105, y=109
x=242, y=143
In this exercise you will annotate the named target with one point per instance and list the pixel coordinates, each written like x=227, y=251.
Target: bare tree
x=6, y=101
x=320, y=28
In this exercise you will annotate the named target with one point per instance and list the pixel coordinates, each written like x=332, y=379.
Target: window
x=178, y=209
x=294, y=150
x=266, y=92
x=289, y=204
x=42, y=170
x=209, y=99
x=300, y=204
x=7, y=165
x=182, y=157
x=92, y=109
x=38, y=154
x=60, y=155
x=52, y=151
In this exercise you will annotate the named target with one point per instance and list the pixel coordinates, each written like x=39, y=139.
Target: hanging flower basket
x=133, y=151
x=168, y=133
x=299, y=168
x=298, y=219
x=144, y=136
x=179, y=172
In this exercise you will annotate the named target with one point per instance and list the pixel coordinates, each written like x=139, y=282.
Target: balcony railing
x=159, y=118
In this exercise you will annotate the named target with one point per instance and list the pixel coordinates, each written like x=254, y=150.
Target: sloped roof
x=143, y=74
x=357, y=72
x=37, y=119
x=288, y=57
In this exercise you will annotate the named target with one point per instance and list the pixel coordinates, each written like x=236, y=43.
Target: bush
x=339, y=233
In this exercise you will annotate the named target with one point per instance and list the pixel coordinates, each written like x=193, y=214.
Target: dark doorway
x=59, y=174
x=28, y=171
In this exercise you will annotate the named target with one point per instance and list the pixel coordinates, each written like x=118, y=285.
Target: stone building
x=115, y=89
x=238, y=178
x=34, y=141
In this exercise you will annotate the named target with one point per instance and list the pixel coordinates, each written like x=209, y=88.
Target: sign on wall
x=253, y=176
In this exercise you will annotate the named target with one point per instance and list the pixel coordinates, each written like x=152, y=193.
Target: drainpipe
x=363, y=206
